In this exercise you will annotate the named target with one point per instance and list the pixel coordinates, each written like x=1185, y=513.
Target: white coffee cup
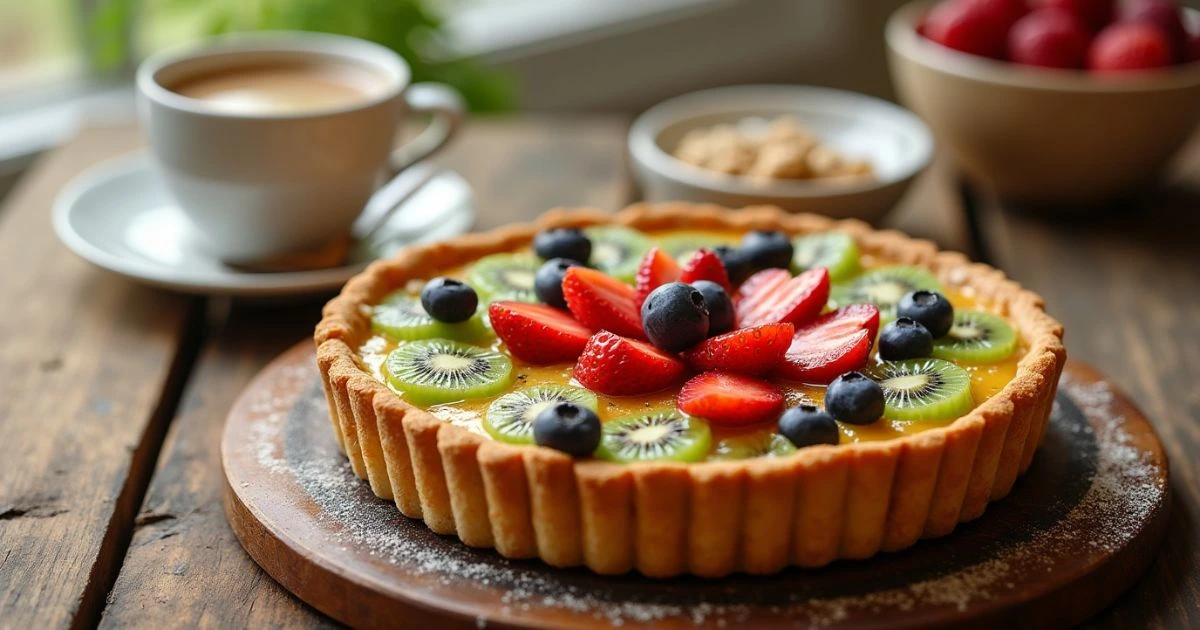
x=257, y=184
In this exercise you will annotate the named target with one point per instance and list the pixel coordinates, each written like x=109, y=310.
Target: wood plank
x=90, y=366
x=1126, y=287
x=931, y=209
x=184, y=562
x=519, y=168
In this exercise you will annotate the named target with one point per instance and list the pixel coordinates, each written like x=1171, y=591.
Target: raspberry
x=1051, y=38
x=1129, y=46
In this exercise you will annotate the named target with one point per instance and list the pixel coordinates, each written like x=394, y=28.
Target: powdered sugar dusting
x=1124, y=490
x=272, y=411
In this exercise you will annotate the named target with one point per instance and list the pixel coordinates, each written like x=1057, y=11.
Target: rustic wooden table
x=112, y=396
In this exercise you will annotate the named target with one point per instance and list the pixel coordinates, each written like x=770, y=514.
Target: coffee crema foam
x=283, y=88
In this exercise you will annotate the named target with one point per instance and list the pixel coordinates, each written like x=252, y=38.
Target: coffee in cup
x=288, y=87
x=273, y=143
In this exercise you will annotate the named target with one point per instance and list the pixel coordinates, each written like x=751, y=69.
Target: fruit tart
x=687, y=389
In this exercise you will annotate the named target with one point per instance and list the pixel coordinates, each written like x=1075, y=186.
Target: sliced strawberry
x=758, y=287
x=705, y=265
x=618, y=366
x=756, y=350
x=834, y=344
x=538, y=333
x=777, y=297
x=730, y=399
x=657, y=269
x=601, y=302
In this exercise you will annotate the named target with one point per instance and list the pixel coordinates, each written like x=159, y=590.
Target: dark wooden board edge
x=364, y=603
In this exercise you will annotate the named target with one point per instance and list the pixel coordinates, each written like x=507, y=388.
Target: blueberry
x=904, y=339
x=720, y=307
x=567, y=427
x=674, y=317
x=767, y=249
x=547, y=283
x=737, y=267
x=929, y=308
x=808, y=425
x=449, y=300
x=570, y=243
x=854, y=398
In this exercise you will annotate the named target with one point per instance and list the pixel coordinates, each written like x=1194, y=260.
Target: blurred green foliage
x=408, y=27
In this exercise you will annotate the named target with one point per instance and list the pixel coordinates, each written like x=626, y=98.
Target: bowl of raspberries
x=1059, y=103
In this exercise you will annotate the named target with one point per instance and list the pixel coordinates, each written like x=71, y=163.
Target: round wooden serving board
x=1076, y=530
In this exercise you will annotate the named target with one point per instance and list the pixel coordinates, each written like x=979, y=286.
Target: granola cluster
x=766, y=150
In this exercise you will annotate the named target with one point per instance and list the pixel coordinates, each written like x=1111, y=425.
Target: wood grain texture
x=183, y=561
x=89, y=367
x=520, y=167
x=1126, y=285
x=931, y=209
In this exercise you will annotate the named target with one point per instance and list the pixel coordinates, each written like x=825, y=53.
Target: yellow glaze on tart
x=884, y=487
x=986, y=380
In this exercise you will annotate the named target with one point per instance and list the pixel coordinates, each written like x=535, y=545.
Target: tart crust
x=711, y=518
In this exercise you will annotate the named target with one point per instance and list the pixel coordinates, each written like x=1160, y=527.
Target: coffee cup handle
x=448, y=109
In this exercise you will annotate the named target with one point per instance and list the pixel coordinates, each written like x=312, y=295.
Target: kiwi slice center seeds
x=923, y=389
x=520, y=278
x=910, y=388
x=657, y=435
x=976, y=336
x=967, y=331
x=454, y=366
x=435, y=371
x=510, y=417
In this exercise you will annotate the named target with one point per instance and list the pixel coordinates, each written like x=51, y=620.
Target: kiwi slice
x=655, y=435
x=505, y=277
x=510, y=417
x=884, y=287
x=401, y=316
x=835, y=251
x=976, y=336
x=617, y=250
x=435, y=371
x=923, y=389
x=682, y=245
x=750, y=445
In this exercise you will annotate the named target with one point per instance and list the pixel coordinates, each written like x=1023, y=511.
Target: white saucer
x=118, y=216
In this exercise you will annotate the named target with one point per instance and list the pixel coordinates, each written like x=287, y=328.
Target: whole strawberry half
x=755, y=350
x=1093, y=14
x=833, y=344
x=1050, y=38
x=657, y=269
x=971, y=26
x=618, y=366
x=1128, y=46
x=773, y=296
x=538, y=333
x=730, y=399
x=1167, y=17
x=602, y=302
x=706, y=265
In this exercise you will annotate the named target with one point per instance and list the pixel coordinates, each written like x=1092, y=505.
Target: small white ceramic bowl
x=896, y=143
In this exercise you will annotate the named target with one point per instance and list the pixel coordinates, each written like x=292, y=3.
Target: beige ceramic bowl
x=896, y=143
x=1040, y=135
